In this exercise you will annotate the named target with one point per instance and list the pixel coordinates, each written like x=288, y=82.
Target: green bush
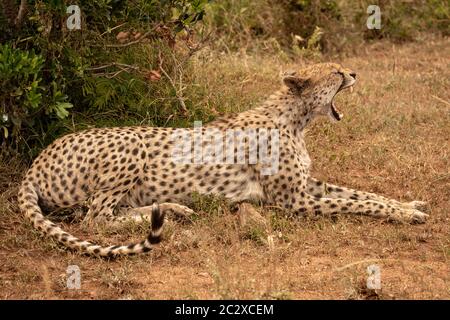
x=20, y=75
x=22, y=97
x=52, y=73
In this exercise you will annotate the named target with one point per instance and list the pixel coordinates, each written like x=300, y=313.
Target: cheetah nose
x=353, y=75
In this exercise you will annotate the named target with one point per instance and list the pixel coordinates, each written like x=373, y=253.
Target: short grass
x=394, y=140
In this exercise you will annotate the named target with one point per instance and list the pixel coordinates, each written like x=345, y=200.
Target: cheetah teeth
x=351, y=89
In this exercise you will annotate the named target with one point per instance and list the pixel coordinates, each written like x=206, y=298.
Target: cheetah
x=130, y=173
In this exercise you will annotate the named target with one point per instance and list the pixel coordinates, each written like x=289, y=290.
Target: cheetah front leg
x=321, y=189
x=304, y=202
x=297, y=200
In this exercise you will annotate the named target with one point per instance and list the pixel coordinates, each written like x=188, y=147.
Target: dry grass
x=394, y=140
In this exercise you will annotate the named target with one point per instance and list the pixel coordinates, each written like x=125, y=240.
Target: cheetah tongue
x=334, y=111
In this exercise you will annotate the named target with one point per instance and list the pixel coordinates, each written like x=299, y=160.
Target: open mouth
x=334, y=111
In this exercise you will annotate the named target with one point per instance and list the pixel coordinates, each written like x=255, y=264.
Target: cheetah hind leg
x=101, y=207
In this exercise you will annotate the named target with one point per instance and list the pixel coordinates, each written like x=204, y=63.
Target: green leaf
x=61, y=109
x=5, y=132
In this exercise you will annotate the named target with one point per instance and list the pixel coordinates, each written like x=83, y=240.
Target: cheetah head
x=318, y=84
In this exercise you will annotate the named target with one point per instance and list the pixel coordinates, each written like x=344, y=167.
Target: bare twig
x=200, y=45
x=134, y=41
x=122, y=66
x=177, y=91
x=363, y=262
x=168, y=119
x=441, y=100
x=21, y=13
x=114, y=64
x=115, y=74
x=101, y=67
x=112, y=29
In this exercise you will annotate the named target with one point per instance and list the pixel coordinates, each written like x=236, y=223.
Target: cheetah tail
x=28, y=203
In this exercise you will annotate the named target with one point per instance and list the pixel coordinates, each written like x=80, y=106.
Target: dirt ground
x=393, y=140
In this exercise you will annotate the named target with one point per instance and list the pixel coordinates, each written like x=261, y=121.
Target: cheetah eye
x=339, y=73
x=290, y=73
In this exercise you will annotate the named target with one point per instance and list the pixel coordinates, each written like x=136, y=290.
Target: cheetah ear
x=293, y=81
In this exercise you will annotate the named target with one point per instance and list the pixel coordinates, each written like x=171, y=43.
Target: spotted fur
x=121, y=173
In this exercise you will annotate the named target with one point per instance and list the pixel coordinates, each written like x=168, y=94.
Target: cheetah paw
x=179, y=210
x=418, y=205
x=410, y=216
